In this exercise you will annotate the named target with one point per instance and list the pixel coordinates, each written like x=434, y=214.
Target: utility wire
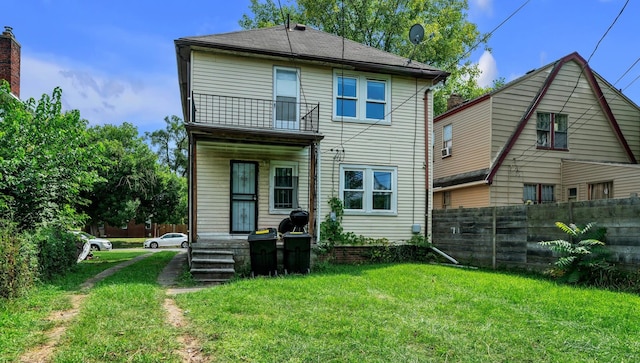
x=464, y=55
x=570, y=126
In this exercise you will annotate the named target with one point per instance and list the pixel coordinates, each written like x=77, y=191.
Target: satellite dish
x=416, y=34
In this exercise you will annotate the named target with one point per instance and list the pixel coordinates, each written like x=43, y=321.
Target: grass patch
x=127, y=242
x=122, y=320
x=412, y=312
x=23, y=321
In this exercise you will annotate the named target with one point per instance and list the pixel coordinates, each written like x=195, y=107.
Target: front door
x=285, y=92
x=244, y=196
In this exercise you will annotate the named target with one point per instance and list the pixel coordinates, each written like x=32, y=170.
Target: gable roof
x=589, y=75
x=305, y=43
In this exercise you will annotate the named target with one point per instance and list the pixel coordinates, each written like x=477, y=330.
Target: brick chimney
x=10, y=60
x=454, y=100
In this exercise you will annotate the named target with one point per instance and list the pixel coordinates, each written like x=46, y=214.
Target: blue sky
x=115, y=60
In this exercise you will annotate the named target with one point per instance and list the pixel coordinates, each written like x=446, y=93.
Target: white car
x=168, y=239
x=97, y=244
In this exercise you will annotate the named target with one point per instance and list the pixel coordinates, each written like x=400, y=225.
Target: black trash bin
x=264, y=255
x=297, y=252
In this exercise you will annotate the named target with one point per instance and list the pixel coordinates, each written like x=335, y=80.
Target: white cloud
x=485, y=6
x=488, y=69
x=100, y=97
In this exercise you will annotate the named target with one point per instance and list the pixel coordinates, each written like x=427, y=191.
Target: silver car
x=97, y=244
x=168, y=240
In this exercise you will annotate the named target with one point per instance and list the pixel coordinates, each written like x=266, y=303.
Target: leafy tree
x=128, y=170
x=45, y=160
x=171, y=144
x=385, y=25
x=169, y=201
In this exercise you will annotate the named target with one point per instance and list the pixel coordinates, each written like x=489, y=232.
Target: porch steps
x=212, y=266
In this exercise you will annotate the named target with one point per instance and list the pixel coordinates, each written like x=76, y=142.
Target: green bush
x=18, y=262
x=581, y=256
x=58, y=251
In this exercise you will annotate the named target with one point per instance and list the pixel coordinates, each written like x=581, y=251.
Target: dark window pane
x=286, y=108
x=375, y=90
x=353, y=179
x=530, y=193
x=346, y=108
x=382, y=180
x=560, y=140
x=353, y=200
x=375, y=110
x=347, y=87
x=381, y=201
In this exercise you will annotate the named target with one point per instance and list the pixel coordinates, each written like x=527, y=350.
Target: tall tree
x=171, y=144
x=46, y=160
x=385, y=24
x=129, y=176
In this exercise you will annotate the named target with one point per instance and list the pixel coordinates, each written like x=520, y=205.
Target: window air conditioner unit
x=446, y=152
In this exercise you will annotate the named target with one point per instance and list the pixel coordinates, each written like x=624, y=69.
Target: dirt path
x=61, y=319
x=191, y=351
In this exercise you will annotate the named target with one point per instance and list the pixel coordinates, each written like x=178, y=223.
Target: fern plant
x=581, y=255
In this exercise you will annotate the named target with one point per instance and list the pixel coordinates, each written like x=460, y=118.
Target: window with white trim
x=361, y=98
x=369, y=189
x=283, y=182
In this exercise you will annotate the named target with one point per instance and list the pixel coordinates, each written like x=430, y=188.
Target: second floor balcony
x=249, y=118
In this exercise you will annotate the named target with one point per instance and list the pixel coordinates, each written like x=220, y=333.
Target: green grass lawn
x=413, y=313
x=22, y=321
x=370, y=313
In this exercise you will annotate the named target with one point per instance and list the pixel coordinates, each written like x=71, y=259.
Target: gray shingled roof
x=305, y=43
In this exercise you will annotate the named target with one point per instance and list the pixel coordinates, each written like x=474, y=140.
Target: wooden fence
x=509, y=236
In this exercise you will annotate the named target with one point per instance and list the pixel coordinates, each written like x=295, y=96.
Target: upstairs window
x=552, y=129
x=447, y=140
x=538, y=193
x=361, y=98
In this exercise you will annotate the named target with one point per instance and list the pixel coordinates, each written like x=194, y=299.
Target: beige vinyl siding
x=590, y=137
x=626, y=113
x=471, y=141
x=213, y=181
x=470, y=197
x=226, y=75
x=400, y=145
x=625, y=177
x=509, y=105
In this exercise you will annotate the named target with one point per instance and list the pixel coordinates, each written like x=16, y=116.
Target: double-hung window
x=361, y=98
x=447, y=140
x=284, y=187
x=369, y=189
x=538, y=193
x=552, y=130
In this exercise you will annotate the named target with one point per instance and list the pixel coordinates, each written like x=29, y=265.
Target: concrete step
x=210, y=274
x=197, y=262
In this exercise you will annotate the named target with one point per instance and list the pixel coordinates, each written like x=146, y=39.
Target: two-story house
x=287, y=117
x=559, y=133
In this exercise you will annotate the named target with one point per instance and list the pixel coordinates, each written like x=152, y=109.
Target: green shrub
x=18, y=262
x=580, y=257
x=57, y=251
